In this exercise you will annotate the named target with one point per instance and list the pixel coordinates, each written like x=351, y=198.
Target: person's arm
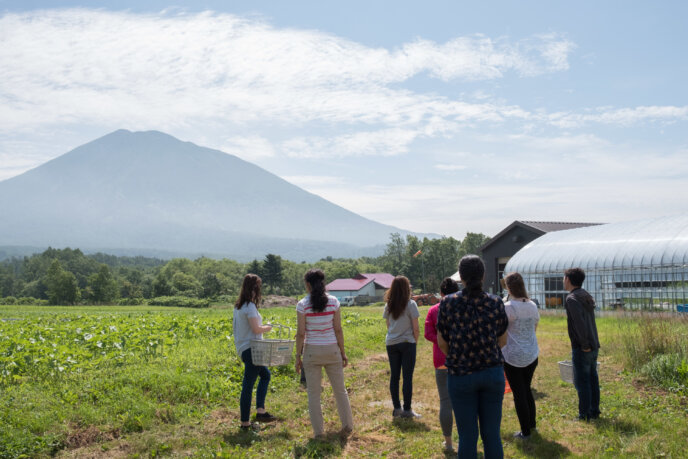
x=430, y=331
x=300, y=339
x=256, y=327
x=575, y=310
x=444, y=346
x=416, y=328
x=339, y=333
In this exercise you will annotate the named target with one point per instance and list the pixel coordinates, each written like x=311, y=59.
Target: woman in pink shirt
x=448, y=286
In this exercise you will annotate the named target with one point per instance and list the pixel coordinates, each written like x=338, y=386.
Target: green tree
x=472, y=242
x=103, y=285
x=395, y=258
x=186, y=285
x=272, y=271
x=61, y=285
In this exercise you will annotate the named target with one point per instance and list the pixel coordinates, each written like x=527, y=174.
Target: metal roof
x=383, y=280
x=661, y=241
x=536, y=226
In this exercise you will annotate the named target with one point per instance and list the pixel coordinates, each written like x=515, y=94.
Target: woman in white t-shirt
x=247, y=325
x=520, y=350
x=320, y=340
x=401, y=314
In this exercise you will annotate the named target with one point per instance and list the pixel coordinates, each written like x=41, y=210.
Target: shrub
x=8, y=300
x=668, y=370
x=179, y=301
x=654, y=336
x=131, y=301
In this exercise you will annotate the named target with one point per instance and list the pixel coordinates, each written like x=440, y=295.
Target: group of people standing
x=478, y=340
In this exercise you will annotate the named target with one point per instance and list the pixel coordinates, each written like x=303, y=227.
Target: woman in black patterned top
x=469, y=323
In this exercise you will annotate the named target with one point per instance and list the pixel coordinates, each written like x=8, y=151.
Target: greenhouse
x=641, y=264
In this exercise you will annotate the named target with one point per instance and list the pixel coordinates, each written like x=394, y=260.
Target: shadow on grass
x=327, y=446
x=619, y=426
x=538, y=446
x=537, y=395
x=246, y=438
x=410, y=425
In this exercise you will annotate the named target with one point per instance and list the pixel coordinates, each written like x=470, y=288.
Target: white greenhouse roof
x=659, y=241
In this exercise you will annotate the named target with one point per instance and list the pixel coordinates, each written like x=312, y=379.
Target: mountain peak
x=150, y=190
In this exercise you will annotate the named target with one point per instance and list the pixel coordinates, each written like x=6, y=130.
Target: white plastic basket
x=566, y=370
x=272, y=352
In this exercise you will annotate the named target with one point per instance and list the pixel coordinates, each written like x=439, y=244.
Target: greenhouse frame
x=632, y=265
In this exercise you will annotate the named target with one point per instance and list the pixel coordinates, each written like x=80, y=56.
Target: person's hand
x=586, y=350
x=298, y=365
x=268, y=328
x=345, y=361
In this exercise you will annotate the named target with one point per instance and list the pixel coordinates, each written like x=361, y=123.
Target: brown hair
x=250, y=291
x=398, y=295
x=517, y=288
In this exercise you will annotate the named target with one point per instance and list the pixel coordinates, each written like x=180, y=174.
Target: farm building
x=373, y=285
x=498, y=250
x=641, y=264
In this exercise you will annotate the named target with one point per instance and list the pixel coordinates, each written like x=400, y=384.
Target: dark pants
x=587, y=383
x=251, y=373
x=519, y=380
x=402, y=359
x=477, y=401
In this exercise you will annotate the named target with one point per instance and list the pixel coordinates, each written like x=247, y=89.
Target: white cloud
x=620, y=116
x=249, y=148
x=389, y=142
x=450, y=167
x=165, y=71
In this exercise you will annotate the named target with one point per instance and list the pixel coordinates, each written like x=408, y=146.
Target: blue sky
x=444, y=117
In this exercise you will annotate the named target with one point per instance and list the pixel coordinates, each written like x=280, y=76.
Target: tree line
x=68, y=276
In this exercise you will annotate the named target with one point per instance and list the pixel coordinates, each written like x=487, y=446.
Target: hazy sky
x=441, y=117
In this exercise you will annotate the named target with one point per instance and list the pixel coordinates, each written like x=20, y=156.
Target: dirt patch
x=276, y=301
x=84, y=436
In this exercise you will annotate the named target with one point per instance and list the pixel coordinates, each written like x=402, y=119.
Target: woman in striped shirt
x=320, y=340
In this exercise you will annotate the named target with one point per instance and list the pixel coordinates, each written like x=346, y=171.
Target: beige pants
x=329, y=357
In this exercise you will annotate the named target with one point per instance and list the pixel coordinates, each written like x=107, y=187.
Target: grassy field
x=164, y=382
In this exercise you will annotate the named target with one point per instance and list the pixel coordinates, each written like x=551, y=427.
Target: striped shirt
x=319, y=325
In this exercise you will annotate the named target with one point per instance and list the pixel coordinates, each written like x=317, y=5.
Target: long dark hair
x=316, y=279
x=472, y=271
x=398, y=295
x=517, y=288
x=250, y=291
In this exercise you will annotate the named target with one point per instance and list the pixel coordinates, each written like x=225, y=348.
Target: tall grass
x=657, y=347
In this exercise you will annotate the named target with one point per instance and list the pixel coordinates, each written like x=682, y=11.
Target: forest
x=69, y=276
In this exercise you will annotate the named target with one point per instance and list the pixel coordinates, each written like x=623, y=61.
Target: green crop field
x=165, y=382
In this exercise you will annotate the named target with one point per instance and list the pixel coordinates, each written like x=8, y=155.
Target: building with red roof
x=369, y=284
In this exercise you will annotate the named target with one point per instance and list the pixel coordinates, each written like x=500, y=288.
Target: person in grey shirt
x=401, y=313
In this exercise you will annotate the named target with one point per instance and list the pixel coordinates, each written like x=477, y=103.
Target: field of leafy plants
x=144, y=381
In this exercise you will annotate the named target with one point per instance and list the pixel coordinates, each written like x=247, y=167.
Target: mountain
x=148, y=192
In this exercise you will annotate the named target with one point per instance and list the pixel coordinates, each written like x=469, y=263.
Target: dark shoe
x=397, y=412
x=253, y=427
x=409, y=414
x=521, y=436
x=581, y=418
x=265, y=417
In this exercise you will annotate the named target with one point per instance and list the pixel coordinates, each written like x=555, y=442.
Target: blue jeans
x=587, y=383
x=251, y=373
x=477, y=400
x=402, y=359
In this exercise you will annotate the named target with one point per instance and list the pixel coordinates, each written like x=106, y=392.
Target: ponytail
x=472, y=272
x=316, y=279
